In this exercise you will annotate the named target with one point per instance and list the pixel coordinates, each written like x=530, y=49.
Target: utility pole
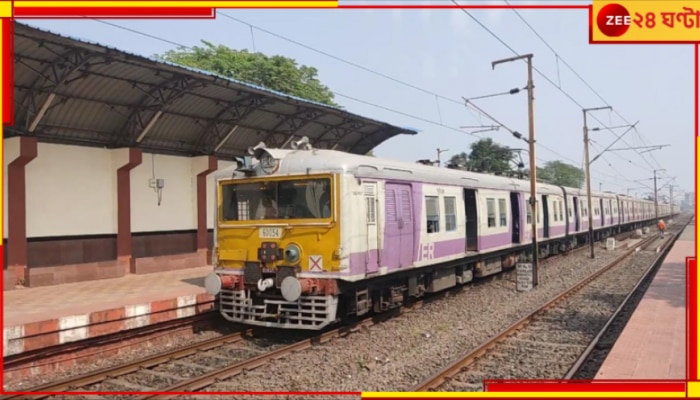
x=588, y=175
x=533, y=166
x=440, y=151
x=656, y=197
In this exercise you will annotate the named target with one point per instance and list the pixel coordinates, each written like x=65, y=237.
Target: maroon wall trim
x=202, y=242
x=124, y=204
x=17, y=205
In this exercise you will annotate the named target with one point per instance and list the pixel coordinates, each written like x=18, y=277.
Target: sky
x=446, y=55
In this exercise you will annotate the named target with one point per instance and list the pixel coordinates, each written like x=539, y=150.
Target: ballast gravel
x=552, y=342
x=148, y=347
x=397, y=354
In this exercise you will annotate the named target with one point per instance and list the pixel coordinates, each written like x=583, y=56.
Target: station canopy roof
x=77, y=92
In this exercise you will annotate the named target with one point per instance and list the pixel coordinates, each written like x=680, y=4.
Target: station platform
x=36, y=318
x=653, y=343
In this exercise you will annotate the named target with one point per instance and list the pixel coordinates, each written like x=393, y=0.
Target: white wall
x=176, y=210
x=70, y=191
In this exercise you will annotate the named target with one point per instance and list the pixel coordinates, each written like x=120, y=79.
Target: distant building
x=688, y=203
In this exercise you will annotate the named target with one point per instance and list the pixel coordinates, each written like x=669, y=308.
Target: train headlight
x=292, y=254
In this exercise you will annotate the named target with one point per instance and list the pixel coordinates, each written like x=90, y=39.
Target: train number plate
x=270, y=233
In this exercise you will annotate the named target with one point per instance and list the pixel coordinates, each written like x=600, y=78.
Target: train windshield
x=287, y=199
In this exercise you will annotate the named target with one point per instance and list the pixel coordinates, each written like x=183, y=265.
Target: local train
x=307, y=237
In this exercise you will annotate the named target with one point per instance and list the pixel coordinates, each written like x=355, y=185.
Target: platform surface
x=27, y=305
x=652, y=345
x=41, y=317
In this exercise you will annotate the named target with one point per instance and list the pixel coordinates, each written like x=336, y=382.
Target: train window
x=529, y=214
x=450, y=214
x=491, y=211
x=288, y=199
x=432, y=211
x=556, y=211
x=570, y=214
x=502, y=210
x=371, y=202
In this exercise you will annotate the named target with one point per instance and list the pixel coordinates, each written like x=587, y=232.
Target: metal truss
x=70, y=66
x=144, y=116
x=333, y=135
x=364, y=139
x=280, y=136
x=223, y=125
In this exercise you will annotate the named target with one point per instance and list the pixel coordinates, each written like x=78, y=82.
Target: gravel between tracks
x=598, y=355
x=549, y=345
x=141, y=350
x=397, y=354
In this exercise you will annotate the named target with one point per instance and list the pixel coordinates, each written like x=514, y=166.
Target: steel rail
x=452, y=369
x=18, y=360
x=214, y=376
x=123, y=369
x=658, y=261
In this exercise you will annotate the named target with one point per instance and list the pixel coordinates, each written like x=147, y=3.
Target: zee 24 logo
x=614, y=20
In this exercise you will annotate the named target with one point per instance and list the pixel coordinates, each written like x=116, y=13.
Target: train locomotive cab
x=276, y=234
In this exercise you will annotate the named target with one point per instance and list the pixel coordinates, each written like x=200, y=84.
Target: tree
x=272, y=72
x=487, y=156
x=561, y=174
x=370, y=153
x=459, y=161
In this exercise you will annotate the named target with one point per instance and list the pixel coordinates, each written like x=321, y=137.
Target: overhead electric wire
x=372, y=71
x=548, y=79
x=343, y=95
x=183, y=46
x=584, y=81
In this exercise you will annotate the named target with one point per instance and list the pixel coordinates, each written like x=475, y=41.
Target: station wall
x=71, y=204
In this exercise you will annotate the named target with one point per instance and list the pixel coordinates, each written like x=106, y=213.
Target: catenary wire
x=584, y=81
x=548, y=79
x=180, y=45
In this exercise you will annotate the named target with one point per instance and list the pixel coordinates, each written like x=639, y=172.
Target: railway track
x=588, y=363
x=156, y=372
x=198, y=322
x=200, y=365
x=550, y=342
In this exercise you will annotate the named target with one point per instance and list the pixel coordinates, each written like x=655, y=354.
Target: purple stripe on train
x=368, y=261
x=557, y=230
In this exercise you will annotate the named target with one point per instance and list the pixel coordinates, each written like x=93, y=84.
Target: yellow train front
x=276, y=234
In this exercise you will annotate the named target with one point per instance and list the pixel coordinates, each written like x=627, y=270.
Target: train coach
x=307, y=237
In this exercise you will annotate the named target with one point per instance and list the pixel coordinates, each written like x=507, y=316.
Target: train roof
x=301, y=161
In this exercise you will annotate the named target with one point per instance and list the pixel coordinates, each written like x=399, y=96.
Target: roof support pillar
x=42, y=112
x=124, y=160
x=203, y=166
x=21, y=150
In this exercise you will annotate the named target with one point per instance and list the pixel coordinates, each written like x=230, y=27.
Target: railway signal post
x=588, y=176
x=533, y=167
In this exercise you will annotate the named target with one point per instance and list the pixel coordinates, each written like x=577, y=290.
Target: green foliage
x=370, y=153
x=559, y=173
x=486, y=156
x=272, y=72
